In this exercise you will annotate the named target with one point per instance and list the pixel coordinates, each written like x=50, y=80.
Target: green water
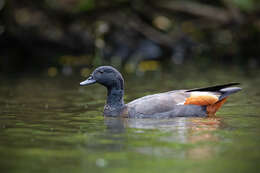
x=53, y=125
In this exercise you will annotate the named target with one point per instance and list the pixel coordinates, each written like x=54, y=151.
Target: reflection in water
x=182, y=130
x=115, y=125
x=201, y=131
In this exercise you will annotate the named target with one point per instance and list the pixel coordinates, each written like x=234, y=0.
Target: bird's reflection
x=194, y=124
x=115, y=125
x=182, y=130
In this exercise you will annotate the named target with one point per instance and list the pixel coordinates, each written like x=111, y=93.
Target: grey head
x=114, y=82
x=106, y=76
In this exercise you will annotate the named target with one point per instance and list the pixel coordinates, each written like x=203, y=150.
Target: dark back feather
x=213, y=88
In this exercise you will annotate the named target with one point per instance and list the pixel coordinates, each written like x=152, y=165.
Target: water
x=53, y=125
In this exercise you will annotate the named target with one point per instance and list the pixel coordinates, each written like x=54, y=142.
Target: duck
x=198, y=102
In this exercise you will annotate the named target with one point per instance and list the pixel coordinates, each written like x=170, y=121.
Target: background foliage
x=64, y=35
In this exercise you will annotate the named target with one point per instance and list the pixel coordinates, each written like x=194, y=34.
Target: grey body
x=163, y=105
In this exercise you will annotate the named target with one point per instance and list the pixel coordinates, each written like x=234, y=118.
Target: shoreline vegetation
x=38, y=35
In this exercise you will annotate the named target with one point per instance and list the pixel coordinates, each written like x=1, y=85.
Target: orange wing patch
x=201, y=99
x=206, y=99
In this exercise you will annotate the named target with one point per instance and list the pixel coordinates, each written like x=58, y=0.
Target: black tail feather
x=214, y=88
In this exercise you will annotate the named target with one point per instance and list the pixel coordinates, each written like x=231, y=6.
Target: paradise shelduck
x=200, y=102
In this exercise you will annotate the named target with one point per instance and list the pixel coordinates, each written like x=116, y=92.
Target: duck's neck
x=115, y=98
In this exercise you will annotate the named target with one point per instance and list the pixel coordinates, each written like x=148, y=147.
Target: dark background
x=73, y=36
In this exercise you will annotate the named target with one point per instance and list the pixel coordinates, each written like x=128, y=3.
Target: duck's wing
x=211, y=97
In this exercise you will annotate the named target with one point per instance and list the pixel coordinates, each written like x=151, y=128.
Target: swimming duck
x=200, y=102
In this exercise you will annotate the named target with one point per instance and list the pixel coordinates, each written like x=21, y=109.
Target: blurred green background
x=65, y=37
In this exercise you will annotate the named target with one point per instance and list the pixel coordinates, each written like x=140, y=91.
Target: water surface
x=53, y=125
